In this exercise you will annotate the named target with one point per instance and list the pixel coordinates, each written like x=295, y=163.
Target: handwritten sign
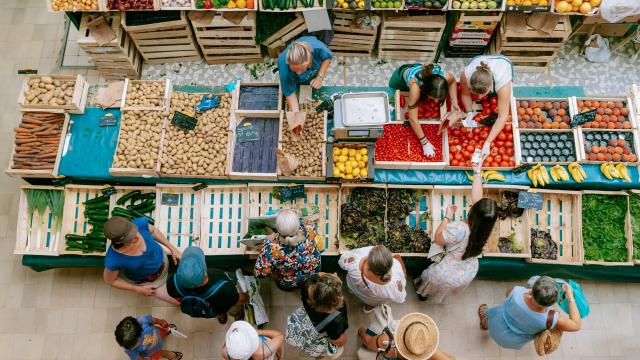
x=108, y=190
x=582, y=118
x=530, y=200
x=170, y=199
x=108, y=120
x=27, y=71
x=522, y=169
x=199, y=186
x=247, y=131
x=61, y=181
x=290, y=193
x=184, y=121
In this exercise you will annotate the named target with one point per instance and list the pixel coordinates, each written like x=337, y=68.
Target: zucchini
x=282, y=4
x=294, y=4
x=118, y=211
x=100, y=217
x=136, y=213
x=143, y=197
x=304, y=3
x=97, y=200
x=74, y=237
x=265, y=4
x=143, y=207
x=320, y=3
x=124, y=198
x=273, y=4
x=100, y=206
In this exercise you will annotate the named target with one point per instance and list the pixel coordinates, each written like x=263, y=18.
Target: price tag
x=290, y=193
x=27, y=71
x=522, y=169
x=108, y=190
x=183, y=121
x=108, y=120
x=585, y=117
x=530, y=200
x=246, y=132
x=61, y=181
x=199, y=186
x=170, y=199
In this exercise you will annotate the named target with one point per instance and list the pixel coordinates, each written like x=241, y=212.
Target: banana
x=614, y=171
x=604, y=168
x=577, y=172
x=624, y=173
x=533, y=179
x=562, y=172
x=545, y=175
x=582, y=172
x=495, y=176
x=553, y=173
x=486, y=174
x=469, y=177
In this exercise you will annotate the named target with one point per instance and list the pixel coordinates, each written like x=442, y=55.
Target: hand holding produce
x=44, y=90
x=145, y=94
x=428, y=150
x=475, y=5
x=350, y=162
x=37, y=141
x=124, y=5
x=307, y=148
x=139, y=141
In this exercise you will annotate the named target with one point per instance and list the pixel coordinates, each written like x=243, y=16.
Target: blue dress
x=513, y=324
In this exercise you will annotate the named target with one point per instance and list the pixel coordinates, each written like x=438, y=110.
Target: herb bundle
x=603, y=227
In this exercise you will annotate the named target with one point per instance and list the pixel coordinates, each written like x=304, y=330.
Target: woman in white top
x=488, y=74
x=375, y=275
x=463, y=241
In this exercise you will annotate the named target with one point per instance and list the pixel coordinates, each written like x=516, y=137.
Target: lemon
x=365, y=158
x=361, y=5
x=336, y=171
x=343, y=158
x=345, y=151
x=336, y=157
x=364, y=172
x=349, y=176
x=352, y=152
x=346, y=6
x=340, y=2
x=342, y=167
x=362, y=164
x=355, y=172
x=348, y=169
x=358, y=157
x=353, y=163
x=352, y=158
x=363, y=151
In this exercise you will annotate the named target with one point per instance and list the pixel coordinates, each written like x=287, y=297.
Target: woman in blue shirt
x=135, y=254
x=304, y=61
x=424, y=82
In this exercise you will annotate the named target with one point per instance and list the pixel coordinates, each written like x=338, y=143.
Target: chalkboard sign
x=585, y=117
x=247, y=131
x=61, y=181
x=290, y=193
x=108, y=120
x=169, y=199
x=530, y=200
x=27, y=71
x=108, y=190
x=521, y=169
x=199, y=186
x=183, y=121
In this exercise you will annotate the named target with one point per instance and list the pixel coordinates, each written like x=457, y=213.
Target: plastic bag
x=596, y=49
x=616, y=10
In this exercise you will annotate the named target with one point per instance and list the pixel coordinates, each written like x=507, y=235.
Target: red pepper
x=208, y=4
x=402, y=101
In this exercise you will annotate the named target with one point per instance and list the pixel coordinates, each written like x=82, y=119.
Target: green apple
x=397, y=4
x=376, y=4
x=474, y=5
x=456, y=4
x=492, y=5
x=482, y=5
x=465, y=5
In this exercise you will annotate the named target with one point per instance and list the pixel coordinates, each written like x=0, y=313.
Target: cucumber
x=96, y=211
x=97, y=206
x=74, y=237
x=118, y=211
x=294, y=4
x=143, y=197
x=97, y=200
x=102, y=218
x=124, y=198
x=145, y=206
x=282, y=4
x=265, y=4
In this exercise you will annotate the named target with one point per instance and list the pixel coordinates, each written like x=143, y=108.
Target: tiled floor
x=71, y=314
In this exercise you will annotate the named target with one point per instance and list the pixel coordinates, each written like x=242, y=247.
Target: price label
x=582, y=118
x=61, y=181
x=530, y=200
x=290, y=193
x=108, y=190
x=170, y=199
x=108, y=120
x=247, y=131
x=522, y=169
x=199, y=186
x=27, y=71
x=184, y=121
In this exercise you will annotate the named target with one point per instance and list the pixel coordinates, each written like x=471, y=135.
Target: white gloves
x=486, y=149
x=480, y=155
x=428, y=150
x=468, y=122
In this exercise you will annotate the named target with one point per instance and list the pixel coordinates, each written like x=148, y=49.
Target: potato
x=145, y=94
x=139, y=141
x=46, y=90
x=308, y=147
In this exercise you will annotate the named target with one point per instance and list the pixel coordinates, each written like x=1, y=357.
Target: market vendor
x=424, y=82
x=485, y=75
x=304, y=62
x=135, y=261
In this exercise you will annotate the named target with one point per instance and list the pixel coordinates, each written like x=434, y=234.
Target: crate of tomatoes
x=463, y=142
x=399, y=147
x=428, y=109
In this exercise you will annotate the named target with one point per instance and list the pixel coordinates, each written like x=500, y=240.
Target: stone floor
x=71, y=314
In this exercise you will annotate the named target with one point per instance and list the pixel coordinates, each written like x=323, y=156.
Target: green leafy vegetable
x=603, y=227
x=634, y=208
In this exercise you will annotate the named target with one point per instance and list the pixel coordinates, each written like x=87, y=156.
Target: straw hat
x=417, y=337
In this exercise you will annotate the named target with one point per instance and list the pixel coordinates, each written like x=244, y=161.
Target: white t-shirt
x=371, y=293
x=499, y=65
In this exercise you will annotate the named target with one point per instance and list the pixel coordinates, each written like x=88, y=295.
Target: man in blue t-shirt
x=143, y=338
x=304, y=61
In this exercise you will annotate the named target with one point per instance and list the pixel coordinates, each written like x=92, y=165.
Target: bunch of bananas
x=558, y=173
x=488, y=175
x=577, y=172
x=538, y=175
x=612, y=171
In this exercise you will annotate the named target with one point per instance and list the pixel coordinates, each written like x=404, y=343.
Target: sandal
x=177, y=355
x=173, y=326
x=483, y=316
x=222, y=319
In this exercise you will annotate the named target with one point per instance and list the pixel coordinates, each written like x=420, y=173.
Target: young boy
x=142, y=340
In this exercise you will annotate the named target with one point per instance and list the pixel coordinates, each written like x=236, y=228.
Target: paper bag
x=545, y=22
x=101, y=31
x=517, y=22
x=201, y=17
x=287, y=163
x=234, y=17
x=450, y=120
x=296, y=121
x=110, y=96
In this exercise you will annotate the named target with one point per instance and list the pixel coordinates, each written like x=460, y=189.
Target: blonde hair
x=299, y=53
x=288, y=227
x=482, y=79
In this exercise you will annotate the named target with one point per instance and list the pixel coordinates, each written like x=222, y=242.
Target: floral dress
x=452, y=273
x=290, y=266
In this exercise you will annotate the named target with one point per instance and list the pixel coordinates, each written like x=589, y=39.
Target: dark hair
x=433, y=85
x=380, y=261
x=482, y=218
x=128, y=332
x=325, y=292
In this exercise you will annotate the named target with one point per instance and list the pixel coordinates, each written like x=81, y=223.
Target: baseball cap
x=120, y=230
x=242, y=340
x=192, y=268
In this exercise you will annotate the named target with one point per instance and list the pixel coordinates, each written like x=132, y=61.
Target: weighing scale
x=360, y=115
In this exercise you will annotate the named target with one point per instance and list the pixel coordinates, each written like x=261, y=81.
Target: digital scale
x=360, y=115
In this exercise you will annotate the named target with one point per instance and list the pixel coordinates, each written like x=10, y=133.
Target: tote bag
x=310, y=339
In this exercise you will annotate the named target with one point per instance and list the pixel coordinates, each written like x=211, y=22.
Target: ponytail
x=432, y=85
x=482, y=79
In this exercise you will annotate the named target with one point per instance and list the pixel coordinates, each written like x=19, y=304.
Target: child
x=142, y=340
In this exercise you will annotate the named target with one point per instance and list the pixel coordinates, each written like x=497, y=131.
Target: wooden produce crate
x=414, y=38
x=255, y=159
x=501, y=7
x=530, y=50
x=44, y=172
x=314, y=4
x=420, y=217
x=345, y=196
x=78, y=96
x=460, y=196
x=619, y=106
x=635, y=98
x=560, y=216
x=633, y=218
x=325, y=197
x=261, y=97
x=166, y=95
x=590, y=136
x=74, y=221
x=594, y=11
x=116, y=60
x=223, y=219
x=403, y=110
x=321, y=143
x=165, y=41
x=73, y=5
x=349, y=40
x=605, y=219
x=122, y=190
x=277, y=42
x=38, y=237
x=190, y=5
x=223, y=42
x=331, y=174
x=471, y=20
x=155, y=5
x=413, y=146
x=178, y=214
x=512, y=6
x=225, y=8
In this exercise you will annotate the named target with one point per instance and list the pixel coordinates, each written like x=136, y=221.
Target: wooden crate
x=78, y=101
x=166, y=96
x=164, y=42
x=633, y=193
x=470, y=20
x=115, y=60
x=74, y=221
x=349, y=40
x=414, y=38
x=223, y=42
x=71, y=5
x=627, y=103
x=460, y=196
x=317, y=4
x=345, y=196
x=627, y=230
x=190, y=6
x=277, y=42
x=238, y=94
x=36, y=238
x=419, y=165
x=634, y=94
x=420, y=217
x=122, y=190
x=561, y=217
x=156, y=6
x=501, y=7
x=249, y=156
x=25, y=173
x=223, y=220
x=323, y=155
x=222, y=9
x=631, y=136
x=352, y=145
x=180, y=223
x=325, y=197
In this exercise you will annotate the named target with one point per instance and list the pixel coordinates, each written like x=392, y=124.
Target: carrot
x=48, y=132
x=25, y=140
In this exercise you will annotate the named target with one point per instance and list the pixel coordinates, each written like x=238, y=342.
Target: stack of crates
x=471, y=34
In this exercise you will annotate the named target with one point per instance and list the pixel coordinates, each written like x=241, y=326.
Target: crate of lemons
x=350, y=4
x=528, y=3
x=349, y=163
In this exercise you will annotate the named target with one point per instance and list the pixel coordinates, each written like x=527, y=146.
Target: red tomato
x=494, y=108
x=494, y=164
x=508, y=144
x=502, y=151
x=507, y=127
x=454, y=162
x=499, y=143
x=510, y=137
x=504, y=163
x=476, y=131
x=493, y=100
x=484, y=134
x=501, y=137
x=488, y=159
x=510, y=152
x=470, y=148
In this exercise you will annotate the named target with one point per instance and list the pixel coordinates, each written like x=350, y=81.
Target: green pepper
x=199, y=4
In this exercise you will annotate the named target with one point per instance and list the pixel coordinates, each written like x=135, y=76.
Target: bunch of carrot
x=37, y=140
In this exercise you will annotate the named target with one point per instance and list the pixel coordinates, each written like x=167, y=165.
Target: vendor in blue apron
x=424, y=82
x=304, y=61
x=487, y=74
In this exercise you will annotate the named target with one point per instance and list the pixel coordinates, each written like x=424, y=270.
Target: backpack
x=196, y=305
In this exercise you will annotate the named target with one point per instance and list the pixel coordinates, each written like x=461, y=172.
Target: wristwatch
x=446, y=217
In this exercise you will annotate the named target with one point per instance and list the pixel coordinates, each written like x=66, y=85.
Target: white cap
x=242, y=340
